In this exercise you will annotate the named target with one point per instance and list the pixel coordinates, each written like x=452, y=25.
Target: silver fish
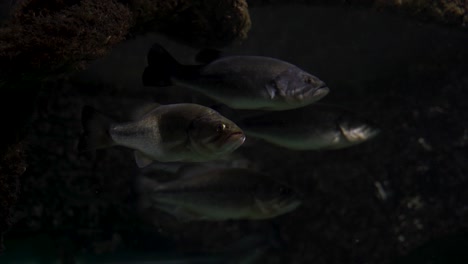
x=314, y=127
x=167, y=133
x=219, y=194
x=241, y=82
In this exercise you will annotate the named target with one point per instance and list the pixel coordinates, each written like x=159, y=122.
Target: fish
x=167, y=133
x=230, y=161
x=240, y=82
x=315, y=127
x=207, y=194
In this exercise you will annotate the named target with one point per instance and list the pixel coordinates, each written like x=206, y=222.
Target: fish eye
x=220, y=127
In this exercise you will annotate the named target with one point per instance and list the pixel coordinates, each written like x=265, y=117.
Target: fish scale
x=217, y=194
x=168, y=133
x=240, y=82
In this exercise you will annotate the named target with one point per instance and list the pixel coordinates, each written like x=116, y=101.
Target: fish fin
x=148, y=188
x=166, y=167
x=145, y=189
x=95, y=130
x=143, y=109
x=161, y=67
x=261, y=206
x=182, y=214
x=192, y=170
x=206, y=56
x=146, y=184
x=142, y=160
x=228, y=162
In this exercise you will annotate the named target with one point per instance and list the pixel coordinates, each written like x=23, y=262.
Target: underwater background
x=398, y=198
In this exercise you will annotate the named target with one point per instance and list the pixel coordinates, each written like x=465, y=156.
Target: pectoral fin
x=142, y=160
x=181, y=213
x=261, y=206
x=143, y=109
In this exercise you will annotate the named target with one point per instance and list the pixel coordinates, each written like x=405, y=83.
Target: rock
x=206, y=23
x=51, y=35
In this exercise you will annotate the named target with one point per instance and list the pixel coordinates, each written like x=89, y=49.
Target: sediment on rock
x=206, y=23
x=51, y=35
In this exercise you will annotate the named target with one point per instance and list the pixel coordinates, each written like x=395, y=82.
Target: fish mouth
x=291, y=205
x=360, y=133
x=285, y=206
x=234, y=140
x=237, y=134
x=313, y=93
x=318, y=93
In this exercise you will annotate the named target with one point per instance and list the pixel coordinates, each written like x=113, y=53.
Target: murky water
x=386, y=200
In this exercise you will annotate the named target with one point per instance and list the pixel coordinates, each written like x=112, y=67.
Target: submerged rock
x=207, y=23
x=51, y=35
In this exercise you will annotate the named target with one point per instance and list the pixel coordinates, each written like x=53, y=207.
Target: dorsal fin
x=192, y=170
x=206, y=56
x=161, y=67
x=142, y=160
x=143, y=109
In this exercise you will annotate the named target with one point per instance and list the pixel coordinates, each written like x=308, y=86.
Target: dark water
x=398, y=198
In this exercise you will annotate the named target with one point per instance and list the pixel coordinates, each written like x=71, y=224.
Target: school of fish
x=283, y=97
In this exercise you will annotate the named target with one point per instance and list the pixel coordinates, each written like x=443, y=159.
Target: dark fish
x=314, y=127
x=219, y=194
x=230, y=161
x=241, y=82
x=168, y=133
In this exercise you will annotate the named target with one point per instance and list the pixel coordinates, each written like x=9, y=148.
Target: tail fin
x=95, y=130
x=145, y=186
x=161, y=66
